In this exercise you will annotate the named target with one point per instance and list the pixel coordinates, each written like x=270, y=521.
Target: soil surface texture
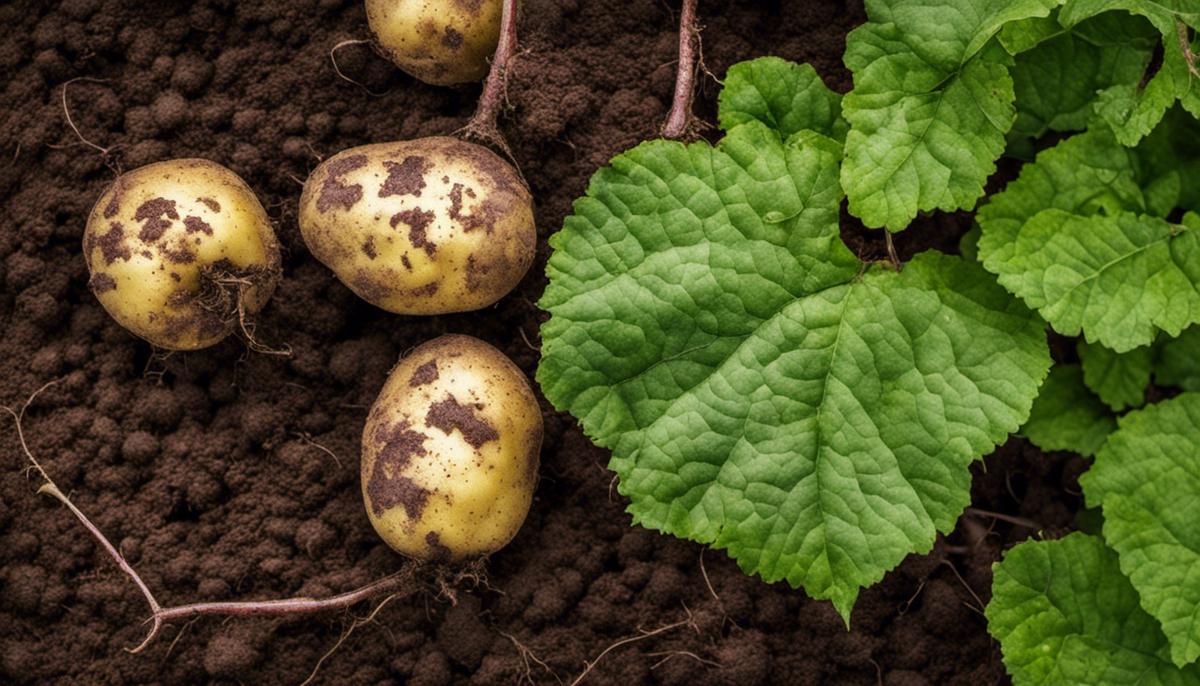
x=227, y=474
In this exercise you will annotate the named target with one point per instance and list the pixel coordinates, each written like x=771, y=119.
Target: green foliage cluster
x=765, y=391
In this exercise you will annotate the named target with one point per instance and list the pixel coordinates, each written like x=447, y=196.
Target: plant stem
x=400, y=582
x=483, y=122
x=1017, y=521
x=679, y=118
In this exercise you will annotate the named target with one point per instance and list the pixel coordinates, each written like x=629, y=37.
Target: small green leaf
x=1065, y=616
x=787, y=97
x=968, y=245
x=1120, y=279
x=931, y=105
x=1178, y=362
x=1146, y=480
x=1120, y=379
x=1066, y=416
x=762, y=392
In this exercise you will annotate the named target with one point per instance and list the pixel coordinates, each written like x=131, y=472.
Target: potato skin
x=163, y=238
x=450, y=451
x=441, y=42
x=427, y=226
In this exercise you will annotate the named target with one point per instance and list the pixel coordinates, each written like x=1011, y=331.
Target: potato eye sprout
x=181, y=252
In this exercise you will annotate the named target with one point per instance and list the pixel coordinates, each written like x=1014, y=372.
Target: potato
x=427, y=226
x=180, y=252
x=442, y=42
x=450, y=451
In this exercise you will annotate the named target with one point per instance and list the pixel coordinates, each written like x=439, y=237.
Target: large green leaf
x=1119, y=279
x=1066, y=416
x=760, y=389
x=931, y=105
x=1065, y=616
x=786, y=96
x=1147, y=480
x=1120, y=379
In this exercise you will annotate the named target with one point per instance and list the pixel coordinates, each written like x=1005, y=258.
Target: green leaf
x=1065, y=616
x=759, y=390
x=968, y=245
x=1120, y=279
x=1120, y=379
x=1056, y=83
x=931, y=105
x=786, y=96
x=1133, y=109
x=1026, y=34
x=1146, y=480
x=1178, y=362
x=1081, y=175
x=1066, y=416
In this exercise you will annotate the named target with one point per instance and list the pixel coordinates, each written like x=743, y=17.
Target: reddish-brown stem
x=483, y=124
x=679, y=119
x=400, y=582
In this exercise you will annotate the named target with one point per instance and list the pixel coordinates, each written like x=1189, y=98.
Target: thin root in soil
x=400, y=584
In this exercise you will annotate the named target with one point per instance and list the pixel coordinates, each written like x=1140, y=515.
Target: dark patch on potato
x=333, y=192
x=199, y=322
x=369, y=288
x=438, y=552
x=102, y=283
x=427, y=28
x=484, y=216
x=368, y=248
x=424, y=291
x=406, y=262
x=114, y=202
x=426, y=373
x=405, y=178
x=176, y=277
x=152, y=212
x=210, y=204
x=387, y=487
x=452, y=39
x=400, y=445
x=491, y=276
x=533, y=452
x=112, y=244
x=504, y=178
x=179, y=254
x=418, y=221
x=449, y=415
x=197, y=225
x=180, y=298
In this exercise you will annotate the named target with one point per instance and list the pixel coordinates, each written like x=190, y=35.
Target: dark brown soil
x=207, y=468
